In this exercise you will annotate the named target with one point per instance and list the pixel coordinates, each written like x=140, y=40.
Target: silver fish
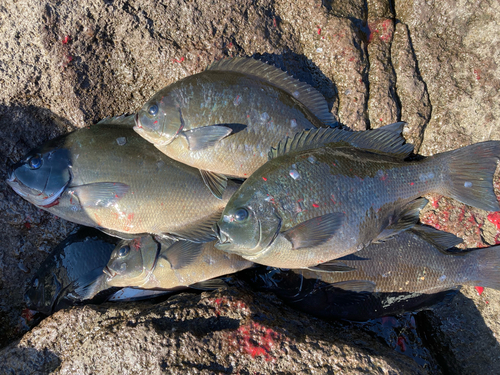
x=106, y=176
x=327, y=193
x=224, y=120
x=147, y=264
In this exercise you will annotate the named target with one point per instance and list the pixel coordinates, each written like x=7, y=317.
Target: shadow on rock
x=459, y=339
x=22, y=360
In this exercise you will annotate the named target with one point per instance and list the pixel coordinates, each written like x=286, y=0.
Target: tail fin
x=488, y=266
x=470, y=178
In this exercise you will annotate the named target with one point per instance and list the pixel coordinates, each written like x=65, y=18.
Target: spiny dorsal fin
x=303, y=92
x=382, y=141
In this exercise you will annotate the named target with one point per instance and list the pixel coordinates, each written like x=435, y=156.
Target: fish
x=72, y=272
x=327, y=193
x=72, y=275
x=224, y=120
x=107, y=176
x=146, y=263
x=403, y=274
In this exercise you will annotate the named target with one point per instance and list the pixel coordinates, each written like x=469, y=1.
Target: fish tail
x=470, y=174
x=488, y=267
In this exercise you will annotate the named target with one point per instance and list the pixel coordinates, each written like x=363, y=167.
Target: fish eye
x=153, y=110
x=240, y=214
x=35, y=162
x=123, y=251
x=35, y=283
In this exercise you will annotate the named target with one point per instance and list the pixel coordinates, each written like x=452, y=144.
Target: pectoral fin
x=198, y=232
x=315, y=231
x=182, y=253
x=332, y=266
x=99, y=194
x=206, y=136
x=215, y=182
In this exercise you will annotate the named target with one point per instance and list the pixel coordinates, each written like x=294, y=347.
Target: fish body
x=308, y=206
x=107, y=176
x=71, y=273
x=147, y=264
x=225, y=119
x=402, y=274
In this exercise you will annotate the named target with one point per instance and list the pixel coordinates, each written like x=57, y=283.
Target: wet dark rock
x=227, y=331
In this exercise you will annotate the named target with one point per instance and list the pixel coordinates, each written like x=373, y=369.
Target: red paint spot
x=274, y=22
x=319, y=29
x=494, y=218
x=256, y=340
x=351, y=59
x=412, y=183
x=401, y=343
x=265, y=179
x=66, y=39
x=27, y=225
x=315, y=205
x=178, y=61
x=479, y=289
x=435, y=202
x=55, y=203
x=69, y=57
x=156, y=122
x=380, y=120
x=477, y=73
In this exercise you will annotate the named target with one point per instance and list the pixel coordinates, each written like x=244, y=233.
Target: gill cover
x=160, y=120
x=42, y=175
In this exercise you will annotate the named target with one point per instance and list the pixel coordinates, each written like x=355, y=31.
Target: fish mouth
x=223, y=240
x=137, y=121
x=38, y=198
x=109, y=273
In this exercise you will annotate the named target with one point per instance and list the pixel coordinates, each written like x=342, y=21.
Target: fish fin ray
x=215, y=182
x=99, y=194
x=315, y=231
x=182, y=253
x=406, y=219
x=441, y=240
x=488, y=260
x=212, y=284
x=470, y=176
x=200, y=231
x=311, y=98
x=206, y=136
x=382, y=141
x=332, y=266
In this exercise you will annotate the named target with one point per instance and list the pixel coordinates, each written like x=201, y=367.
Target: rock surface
x=434, y=64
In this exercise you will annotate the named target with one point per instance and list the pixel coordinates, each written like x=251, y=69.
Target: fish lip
x=109, y=273
x=17, y=186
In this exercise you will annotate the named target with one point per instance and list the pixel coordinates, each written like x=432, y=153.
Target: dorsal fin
x=311, y=98
x=382, y=141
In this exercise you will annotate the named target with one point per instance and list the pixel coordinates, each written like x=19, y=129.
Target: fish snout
x=109, y=272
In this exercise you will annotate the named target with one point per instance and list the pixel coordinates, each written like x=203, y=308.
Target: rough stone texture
x=434, y=64
x=216, y=332
x=457, y=48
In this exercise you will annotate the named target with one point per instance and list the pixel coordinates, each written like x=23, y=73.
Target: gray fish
x=415, y=261
x=225, y=119
x=147, y=264
x=327, y=193
x=71, y=273
x=106, y=176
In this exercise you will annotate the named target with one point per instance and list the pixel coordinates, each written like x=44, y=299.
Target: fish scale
x=313, y=202
x=162, y=196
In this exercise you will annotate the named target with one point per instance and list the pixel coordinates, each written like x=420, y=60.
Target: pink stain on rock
x=382, y=29
x=479, y=289
x=256, y=340
x=494, y=218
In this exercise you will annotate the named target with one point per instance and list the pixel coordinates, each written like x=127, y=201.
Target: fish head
x=160, y=120
x=249, y=224
x=42, y=175
x=131, y=262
